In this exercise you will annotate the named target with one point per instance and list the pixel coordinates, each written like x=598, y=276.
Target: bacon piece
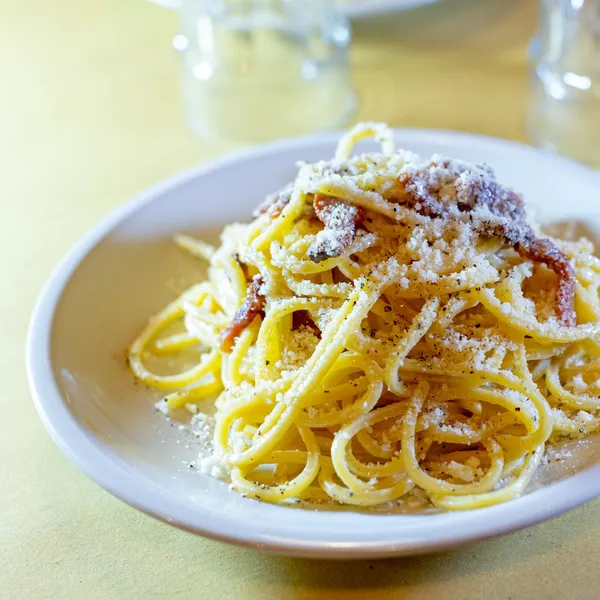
x=243, y=266
x=252, y=306
x=433, y=190
x=521, y=237
x=275, y=203
x=341, y=220
x=302, y=319
x=546, y=252
x=421, y=199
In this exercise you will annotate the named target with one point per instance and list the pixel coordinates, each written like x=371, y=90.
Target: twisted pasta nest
x=386, y=328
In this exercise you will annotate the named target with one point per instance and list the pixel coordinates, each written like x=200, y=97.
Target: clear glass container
x=564, y=115
x=254, y=70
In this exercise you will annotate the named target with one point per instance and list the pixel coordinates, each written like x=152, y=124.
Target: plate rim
x=382, y=7
x=361, y=10
x=99, y=464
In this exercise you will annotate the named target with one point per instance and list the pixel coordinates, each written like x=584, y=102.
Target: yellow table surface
x=89, y=115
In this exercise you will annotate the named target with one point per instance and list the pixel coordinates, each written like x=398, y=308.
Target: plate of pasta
x=343, y=345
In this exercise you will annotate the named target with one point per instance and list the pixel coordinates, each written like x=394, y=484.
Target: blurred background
x=97, y=86
x=101, y=98
x=100, y=82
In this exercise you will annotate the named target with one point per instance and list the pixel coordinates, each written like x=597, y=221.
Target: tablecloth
x=89, y=115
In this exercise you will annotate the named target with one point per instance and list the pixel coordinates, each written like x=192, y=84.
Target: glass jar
x=254, y=70
x=564, y=114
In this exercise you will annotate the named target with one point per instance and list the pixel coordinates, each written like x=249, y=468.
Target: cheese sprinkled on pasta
x=387, y=327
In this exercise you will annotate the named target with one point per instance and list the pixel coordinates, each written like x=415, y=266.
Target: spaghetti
x=385, y=327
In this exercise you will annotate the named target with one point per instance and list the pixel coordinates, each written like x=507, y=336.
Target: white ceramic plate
x=127, y=268
x=353, y=8
x=356, y=9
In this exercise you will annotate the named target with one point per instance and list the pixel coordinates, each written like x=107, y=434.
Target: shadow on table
x=303, y=577
x=457, y=64
x=453, y=23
